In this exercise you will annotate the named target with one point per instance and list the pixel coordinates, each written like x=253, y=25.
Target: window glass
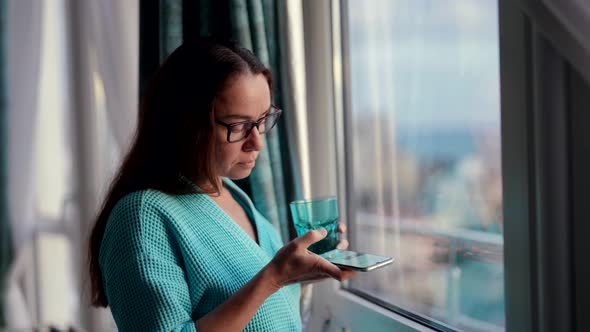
x=426, y=168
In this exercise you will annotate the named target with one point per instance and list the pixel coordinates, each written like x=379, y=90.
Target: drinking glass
x=317, y=213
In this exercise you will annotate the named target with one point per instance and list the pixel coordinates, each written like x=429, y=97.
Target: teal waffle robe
x=167, y=261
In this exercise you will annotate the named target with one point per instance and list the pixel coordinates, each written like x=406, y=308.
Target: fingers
x=344, y=275
x=342, y=245
x=328, y=268
x=311, y=237
x=347, y=274
x=341, y=227
x=310, y=280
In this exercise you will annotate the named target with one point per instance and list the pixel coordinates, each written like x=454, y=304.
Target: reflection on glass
x=426, y=157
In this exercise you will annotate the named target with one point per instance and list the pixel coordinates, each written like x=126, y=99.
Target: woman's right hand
x=294, y=263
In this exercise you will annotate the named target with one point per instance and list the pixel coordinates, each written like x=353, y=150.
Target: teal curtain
x=6, y=249
x=253, y=23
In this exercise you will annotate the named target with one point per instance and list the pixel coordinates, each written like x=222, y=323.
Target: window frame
x=543, y=67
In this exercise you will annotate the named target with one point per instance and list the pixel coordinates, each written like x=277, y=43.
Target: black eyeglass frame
x=275, y=111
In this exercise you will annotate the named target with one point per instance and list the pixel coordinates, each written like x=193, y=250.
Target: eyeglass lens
x=242, y=131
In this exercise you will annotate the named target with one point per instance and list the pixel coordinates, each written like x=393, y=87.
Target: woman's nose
x=255, y=141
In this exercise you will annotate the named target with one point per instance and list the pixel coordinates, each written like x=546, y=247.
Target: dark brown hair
x=174, y=136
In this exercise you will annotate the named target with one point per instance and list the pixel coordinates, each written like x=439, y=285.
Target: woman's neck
x=210, y=189
x=205, y=186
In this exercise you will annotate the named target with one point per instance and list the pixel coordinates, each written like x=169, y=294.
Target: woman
x=177, y=245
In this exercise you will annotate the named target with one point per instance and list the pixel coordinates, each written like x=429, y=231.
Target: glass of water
x=317, y=213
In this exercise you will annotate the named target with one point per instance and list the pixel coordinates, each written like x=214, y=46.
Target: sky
x=432, y=64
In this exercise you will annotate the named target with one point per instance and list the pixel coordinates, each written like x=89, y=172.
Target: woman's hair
x=174, y=137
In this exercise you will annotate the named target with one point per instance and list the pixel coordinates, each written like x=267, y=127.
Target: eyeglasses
x=238, y=131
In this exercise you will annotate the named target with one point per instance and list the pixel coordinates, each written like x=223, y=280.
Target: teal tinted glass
x=316, y=214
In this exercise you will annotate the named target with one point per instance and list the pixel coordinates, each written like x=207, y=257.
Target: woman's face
x=246, y=97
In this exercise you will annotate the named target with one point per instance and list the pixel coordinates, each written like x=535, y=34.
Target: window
x=424, y=158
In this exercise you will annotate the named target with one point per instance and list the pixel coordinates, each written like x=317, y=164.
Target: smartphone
x=355, y=260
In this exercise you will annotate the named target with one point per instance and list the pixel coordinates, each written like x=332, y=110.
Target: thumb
x=312, y=237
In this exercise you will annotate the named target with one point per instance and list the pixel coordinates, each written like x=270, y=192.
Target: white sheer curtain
x=23, y=62
x=115, y=37
x=88, y=66
x=105, y=42
x=108, y=45
x=24, y=28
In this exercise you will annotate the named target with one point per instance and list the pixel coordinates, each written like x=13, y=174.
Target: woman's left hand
x=343, y=244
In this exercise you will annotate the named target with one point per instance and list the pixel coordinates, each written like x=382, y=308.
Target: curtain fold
x=254, y=24
x=106, y=33
x=21, y=58
x=102, y=90
x=113, y=35
x=6, y=250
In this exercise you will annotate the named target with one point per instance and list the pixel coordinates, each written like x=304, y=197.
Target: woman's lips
x=248, y=164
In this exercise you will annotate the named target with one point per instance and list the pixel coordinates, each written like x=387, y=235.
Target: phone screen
x=356, y=260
